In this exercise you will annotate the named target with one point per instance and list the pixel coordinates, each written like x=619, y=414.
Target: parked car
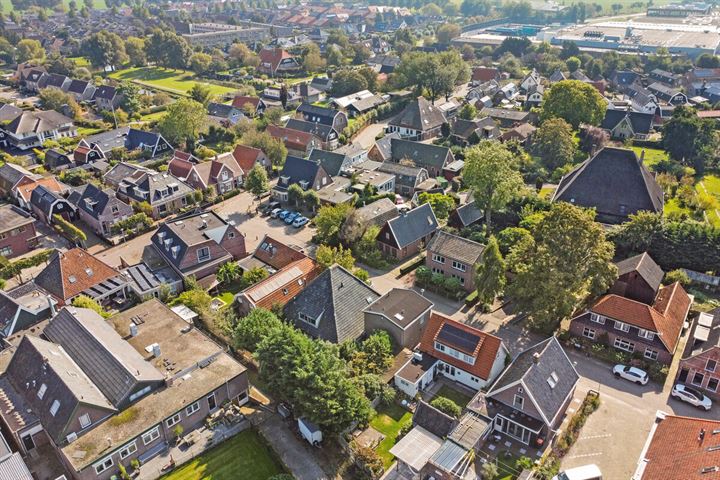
x=270, y=207
x=283, y=214
x=300, y=221
x=292, y=216
x=586, y=472
x=399, y=200
x=691, y=396
x=276, y=212
x=633, y=374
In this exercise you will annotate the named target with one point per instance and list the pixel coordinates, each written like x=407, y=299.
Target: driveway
x=294, y=454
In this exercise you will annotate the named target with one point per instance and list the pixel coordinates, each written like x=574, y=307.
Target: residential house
x=82, y=90
x=306, y=92
x=100, y=209
x=531, y=80
x=668, y=94
x=529, y=400
x=470, y=132
x=220, y=174
x=381, y=182
x=11, y=175
x=408, y=179
x=225, y=114
x=627, y=124
x=432, y=158
x=534, y=96
x=557, y=76
x=454, y=257
x=45, y=204
x=297, y=142
x=521, y=133
x=22, y=192
x=621, y=79
x=699, y=362
x=17, y=231
x=308, y=174
x=419, y=120
x=505, y=94
x=365, y=105
x=663, y=76
x=276, y=61
x=31, y=129
x=323, y=115
x=402, y=313
x=409, y=233
x=55, y=80
x=331, y=306
x=198, y=244
x=85, y=155
x=34, y=79
x=641, y=99
x=372, y=214
x=507, y=118
x=323, y=84
x=485, y=74
x=465, y=215
x=250, y=106
x=381, y=151
x=23, y=307
x=333, y=163
x=106, y=97
x=639, y=278
x=131, y=139
x=57, y=160
x=77, y=272
x=614, y=182
x=455, y=350
x=247, y=157
x=328, y=136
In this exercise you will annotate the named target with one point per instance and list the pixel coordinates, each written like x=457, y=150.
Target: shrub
x=446, y=406
x=677, y=275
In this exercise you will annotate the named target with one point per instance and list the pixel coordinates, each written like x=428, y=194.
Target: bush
x=68, y=229
x=446, y=406
x=409, y=268
x=471, y=299
x=10, y=269
x=677, y=275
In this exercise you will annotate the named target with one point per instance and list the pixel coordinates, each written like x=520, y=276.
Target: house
x=668, y=94
x=45, y=204
x=31, y=128
x=323, y=84
x=332, y=162
x=23, y=190
x=621, y=79
x=632, y=326
x=106, y=97
x=454, y=257
x=57, y=160
x=534, y=96
x=679, y=447
x=308, y=174
x=249, y=105
x=277, y=61
x=531, y=80
x=198, y=244
x=17, y=231
x=432, y=158
x=401, y=312
x=409, y=233
x=557, y=76
x=85, y=155
x=372, y=214
x=485, y=74
x=521, y=133
x=639, y=278
x=322, y=115
x=381, y=182
x=641, y=99
x=11, y=175
x=152, y=144
x=665, y=77
x=164, y=193
x=455, y=350
x=34, y=79
x=225, y=114
x=247, y=157
x=364, y=105
x=297, y=142
x=331, y=306
x=100, y=209
x=55, y=80
x=615, y=182
x=469, y=132
x=82, y=90
x=465, y=216
x=24, y=306
x=77, y=272
x=408, y=178
x=506, y=93
x=529, y=400
x=328, y=136
x=627, y=124
x=381, y=151
x=220, y=174
x=699, y=362
x=507, y=118
x=419, y=120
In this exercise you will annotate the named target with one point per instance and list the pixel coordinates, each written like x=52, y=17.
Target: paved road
x=293, y=453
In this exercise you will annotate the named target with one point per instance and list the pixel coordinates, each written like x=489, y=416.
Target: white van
x=586, y=472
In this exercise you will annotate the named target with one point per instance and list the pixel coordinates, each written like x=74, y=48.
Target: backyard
x=172, y=81
x=451, y=394
x=388, y=421
x=244, y=457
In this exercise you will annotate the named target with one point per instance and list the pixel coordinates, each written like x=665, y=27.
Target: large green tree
x=491, y=172
x=257, y=180
x=433, y=73
x=329, y=221
x=348, y=81
x=575, y=102
x=254, y=327
x=690, y=139
x=105, y=49
x=135, y=49
x=554, y=143
x=29, y=49
x=566, y=260
x=274, y=148
x=184, y=121
x=490, y=273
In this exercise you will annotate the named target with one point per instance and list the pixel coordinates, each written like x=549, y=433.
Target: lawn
x=388, y=421
x=507, y=469
x=546, y=192
x=172, y=81
x=456, y=396
x=246, y=456
x=653, y=156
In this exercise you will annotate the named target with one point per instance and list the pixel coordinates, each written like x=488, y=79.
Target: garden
x=389, y=420
x=172, y=81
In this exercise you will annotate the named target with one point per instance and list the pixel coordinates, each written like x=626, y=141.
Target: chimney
x=133, y=329
x=156, y=350
x=536, y=357
x=51, y=304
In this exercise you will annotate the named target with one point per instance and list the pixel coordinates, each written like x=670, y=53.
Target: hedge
x=11, y=269
x=471, y=299
x=68, y=229
x=409, y=268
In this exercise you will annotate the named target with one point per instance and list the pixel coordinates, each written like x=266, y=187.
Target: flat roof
x=412, y=370
x=402, y=306
x=12, y=217
x=646, y=34
x=416, y=448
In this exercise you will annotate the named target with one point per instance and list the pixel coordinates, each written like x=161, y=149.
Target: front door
x=683, y=375
x=212, y=404
x=28, y=443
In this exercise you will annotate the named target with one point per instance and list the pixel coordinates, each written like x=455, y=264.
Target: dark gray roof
x=299, y=169
x=614, y=182
x=146, y=279
x=12, y=173
x=705, y=334
x=12, y=217
x=468, y=214
x=384, y=145
x=37, y=122
x=505, y=114
x=337, y=298
x=465, y=128
x=9, y=112
x=78, y=86
x=401, y=306
x=320, y=130
x=433, y=420
x=404, y=174
x=44, y=199
x=421, y=154
x=420, y=115
x=413, y=225
x=105, y=91
x=533, y=368
x=94, y=201
x=624, y=77
x=55, y=80
x=456, y=247
x=325, y=114
x=641, y=122
x=221, y=109
x=55, y=158
x=663, y=90
x=332, y=162
x=645, y=266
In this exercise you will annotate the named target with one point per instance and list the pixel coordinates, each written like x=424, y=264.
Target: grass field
x=244, y=457
x=172, y=81
x=388, y=421
x=653, y=156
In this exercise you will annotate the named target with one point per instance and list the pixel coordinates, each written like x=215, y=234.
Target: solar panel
x=452, y=336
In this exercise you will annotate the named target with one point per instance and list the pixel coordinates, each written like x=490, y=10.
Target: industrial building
x=218, y=34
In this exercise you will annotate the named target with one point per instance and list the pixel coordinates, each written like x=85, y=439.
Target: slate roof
x=325, y=114
x=468, y=214
x=534, y=372
x=641, y=122
x=419, y=115
x=505, y=114
x=433, y=420
x=337, y=298
x=44, y=198
x=384, y=145
x=646, y=268
x=105, y=92
x=55, y=80
x=413, y=225
x=78, y=86
x=9, y=112
x=320, y=130
x=129, y=138
x=333, y=163
x=612, y=178
x=401, y=306
x=37, y=122
x=456, y=247
x=70, y=273
x=91, y=199
x=221, y=110
x=421, y=154
x=299, y=169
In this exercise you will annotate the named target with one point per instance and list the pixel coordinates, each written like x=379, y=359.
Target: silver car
x=691, y=396
x=632, y=374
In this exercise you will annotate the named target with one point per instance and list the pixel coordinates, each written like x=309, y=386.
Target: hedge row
x=409, y=268
x=11, y=269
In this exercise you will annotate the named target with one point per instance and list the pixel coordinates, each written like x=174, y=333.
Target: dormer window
x=72, y=279
x=285, y=179
x=518, y=402
x=304, y=184
x=203, y=254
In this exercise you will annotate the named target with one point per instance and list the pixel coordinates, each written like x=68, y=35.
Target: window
x=711, y=365
x=623, y=344
x=646, y=334
x=114, y=209
x=439, y=346
x=553, y=379
x=231, y=235
x=712, y=384
x=85, y=420
x=651, y=354
x=103, y=465
x=589, y=333
x=172, y=420
x=624, y=327
x=192, y=408
x=438, y=258
x=594, y=317
x=308, y=319
x=54, y=407
x=128, y=450
x=518, y=402
x=151, y=436
x=212, y=403
x=203, y=254
x=140, y=393
x=459, y=266
x=41, y=391
x=698, y=379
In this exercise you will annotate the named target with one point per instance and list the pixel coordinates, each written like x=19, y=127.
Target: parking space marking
x=595, y=436
x=597, y=454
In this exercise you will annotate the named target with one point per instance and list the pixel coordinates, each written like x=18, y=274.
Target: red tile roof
x=180, y=168
x=676, y=451
x=280, y=256
x=70, y=273
x=665, y=317
x=709, y=114
x=273, y=56
x=246, y=156
x=484, y=354
x=241, y=100
x=26, y=186
x=485, y=74
x=280, y=294
x=293, y=139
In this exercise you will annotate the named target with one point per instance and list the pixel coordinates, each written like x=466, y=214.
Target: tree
x=56, y=63
x=436, y=73
x=201, y=93
x=574, y=101
x=690, y=139
x=441, y=204
x=490, y=471
x=361, y=54
x=334, y=55
x=490, y=170
x=468, y=112
x=28, y=49
x=329, y=220
x=348, y=81
x=677, y=275
x=56, y=99
x=640, y=232
x=229, y=272
x=707, y=60
x=257, y=180
x=431, y=10
x=490, y=273
x=569, y=257
x=375, y=353
x=446, y=406
x=254, y=327
x=130, y=97
x=184, y=121
x=312, y=60
x=83, y=301
x=135, y=49
x=518, y=46
x=200, y=62
x=446, y=32
x=594, y=139
x=554, y=143
x=328, y=256
x=105, y=49
x=167, y=49
x=274, y=148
